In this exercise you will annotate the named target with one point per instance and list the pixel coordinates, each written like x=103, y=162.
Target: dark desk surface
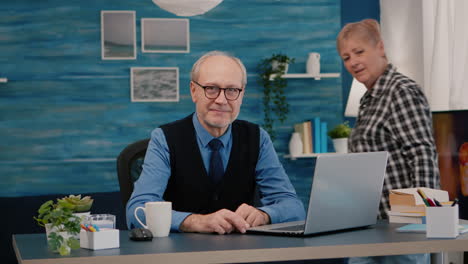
x=210, y=248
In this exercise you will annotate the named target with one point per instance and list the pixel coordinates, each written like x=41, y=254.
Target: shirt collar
x=206, y=137
x=381, y=82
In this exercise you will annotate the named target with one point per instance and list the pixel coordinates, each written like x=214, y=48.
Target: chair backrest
x=129, y=167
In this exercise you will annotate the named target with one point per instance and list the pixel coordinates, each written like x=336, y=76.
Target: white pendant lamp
x=187, y=7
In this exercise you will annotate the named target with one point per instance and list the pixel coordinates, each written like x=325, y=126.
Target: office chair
x=129, y=167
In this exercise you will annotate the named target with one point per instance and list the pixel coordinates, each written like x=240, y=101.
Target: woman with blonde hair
x=393, y=116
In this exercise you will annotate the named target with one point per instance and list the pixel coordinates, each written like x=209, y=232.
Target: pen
x=437, y=202
x=423, y=196
x=91, y=228
x=455, y=202
x=84, y=227
x=96, y=227
x=431, y=202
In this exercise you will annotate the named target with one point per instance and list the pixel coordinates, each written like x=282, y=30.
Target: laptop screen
x=345, y=191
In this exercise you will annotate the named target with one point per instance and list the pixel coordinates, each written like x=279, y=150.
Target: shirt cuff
x=274, y=218
x=177, y=219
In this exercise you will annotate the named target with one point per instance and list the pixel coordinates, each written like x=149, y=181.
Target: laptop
x=345, y=194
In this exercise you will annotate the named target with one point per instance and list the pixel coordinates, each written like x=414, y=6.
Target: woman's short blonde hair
x=367, y=29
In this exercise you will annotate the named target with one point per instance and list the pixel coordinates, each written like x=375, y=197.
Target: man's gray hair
x=196, y=67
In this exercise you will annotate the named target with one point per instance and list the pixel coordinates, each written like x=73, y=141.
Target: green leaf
x=54, y=241
x=73, y=243
x=65, y=204
x=64, y=249
x=45, y=207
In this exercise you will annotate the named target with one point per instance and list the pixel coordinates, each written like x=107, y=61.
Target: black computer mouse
x=141, y=234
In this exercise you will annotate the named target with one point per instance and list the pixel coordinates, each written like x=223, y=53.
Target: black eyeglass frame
x=219, y=91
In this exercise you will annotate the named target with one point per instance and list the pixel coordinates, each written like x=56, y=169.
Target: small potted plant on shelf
x=271, y=71
x=339, y=135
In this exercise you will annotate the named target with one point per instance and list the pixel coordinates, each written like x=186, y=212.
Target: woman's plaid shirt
x=394, y=116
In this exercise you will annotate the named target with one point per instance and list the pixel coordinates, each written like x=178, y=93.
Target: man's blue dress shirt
x=279, y=199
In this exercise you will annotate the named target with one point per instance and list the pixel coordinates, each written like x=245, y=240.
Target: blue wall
x=352, y=11
x=65, y=114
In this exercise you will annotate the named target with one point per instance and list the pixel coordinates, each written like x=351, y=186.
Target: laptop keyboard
x=291, y=228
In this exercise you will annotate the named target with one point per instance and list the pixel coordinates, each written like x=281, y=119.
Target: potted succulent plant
x=339, y=135
x=61, y=226
x=271, y=71
x=76, y=203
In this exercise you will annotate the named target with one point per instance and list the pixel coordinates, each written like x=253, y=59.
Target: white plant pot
x=340, y=145
x=276, y=64
x=49, y=229
x=295, y=144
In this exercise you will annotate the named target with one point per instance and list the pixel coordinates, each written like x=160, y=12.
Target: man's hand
x=252, y=215
x=222, y=222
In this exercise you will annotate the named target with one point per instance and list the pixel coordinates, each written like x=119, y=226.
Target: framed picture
x=165, y=35
x=118, y=35
x=154, y=84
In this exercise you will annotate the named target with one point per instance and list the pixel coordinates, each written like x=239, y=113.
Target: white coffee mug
x=158, y=217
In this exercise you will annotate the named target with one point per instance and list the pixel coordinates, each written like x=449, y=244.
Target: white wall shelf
x=3, y=80
x=311, y=155
x=307, y=75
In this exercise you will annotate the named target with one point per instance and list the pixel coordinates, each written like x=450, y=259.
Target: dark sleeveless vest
x=189, y=188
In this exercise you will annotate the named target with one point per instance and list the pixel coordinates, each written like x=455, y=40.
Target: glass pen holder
x=102, y=221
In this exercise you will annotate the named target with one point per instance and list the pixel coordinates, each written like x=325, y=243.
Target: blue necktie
x=216, y=163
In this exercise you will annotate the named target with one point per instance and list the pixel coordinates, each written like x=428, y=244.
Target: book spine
x=324, y=137
x=407, y=208
x=405, y=219
x=309, y=135
x=397, y=199
x=316, y=134
x=306, y=138
x=299, y=128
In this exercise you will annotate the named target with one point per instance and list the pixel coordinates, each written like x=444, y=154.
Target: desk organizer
x=103, y=239
x=442, y=222
x=100, y=220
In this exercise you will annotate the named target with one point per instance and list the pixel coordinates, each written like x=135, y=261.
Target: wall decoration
x=165, y=35
x=154, y=84
x=187, y=7
x=118, y=35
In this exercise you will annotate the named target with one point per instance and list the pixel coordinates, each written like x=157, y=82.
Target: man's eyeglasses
x=212, y=92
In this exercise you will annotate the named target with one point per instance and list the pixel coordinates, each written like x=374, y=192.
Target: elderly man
x=210, y=165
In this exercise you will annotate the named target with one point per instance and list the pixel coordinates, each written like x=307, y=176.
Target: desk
x=210, y=248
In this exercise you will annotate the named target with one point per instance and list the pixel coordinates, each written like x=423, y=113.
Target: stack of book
x=407, y=206
x=313, y=135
